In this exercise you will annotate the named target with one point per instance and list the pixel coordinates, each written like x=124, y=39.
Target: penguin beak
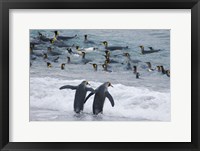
x=110, y=85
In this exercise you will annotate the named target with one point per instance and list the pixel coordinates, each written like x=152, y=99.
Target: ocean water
x=143, y=99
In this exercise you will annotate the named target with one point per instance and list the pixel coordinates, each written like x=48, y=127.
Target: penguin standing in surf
x=80, y=94
x=101, y=93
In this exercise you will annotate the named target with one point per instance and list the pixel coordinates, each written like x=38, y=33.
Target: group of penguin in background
x=50, y=55
x=102, y=91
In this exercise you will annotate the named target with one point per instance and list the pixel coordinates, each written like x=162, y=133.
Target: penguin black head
x=77, y=47
x=85, y=37
x=49, y=65
x=63, y=66
x=107, y=61
x=40, y=34
x=109, y=84
x=137, y=75
x=151, y=48
x=127, y=54
x=134, y=69
x=83, y=53
x=107, y=52
x=148, y=64
x=105, y=43
x=162, y=68
x=168, y=73
x=94, y=66
x=69, y=50
x=142, y=47
x=104, y=66
x=158, y=68
x=56, y=33
x=86, y=82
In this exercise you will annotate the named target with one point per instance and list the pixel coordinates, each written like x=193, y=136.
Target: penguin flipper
x=90, y=89
x=88, y=97
x=110, y=98
x=68, y=87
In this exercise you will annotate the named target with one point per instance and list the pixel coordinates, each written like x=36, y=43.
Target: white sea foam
x=47, y=102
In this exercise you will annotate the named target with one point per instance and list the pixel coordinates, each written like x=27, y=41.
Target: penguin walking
x=101, y=93
x=167, y=72
x=80, y=94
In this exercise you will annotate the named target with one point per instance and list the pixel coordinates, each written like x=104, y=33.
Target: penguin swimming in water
x=70, y=51
x=151, y=48
x=137, y=75
x=107, y=53
x=149, y=66
x=80, y=94
x=62, y=66
x=84, y=60
x=95, y=66
x=90, y=49
x=111, y=48
x=134, y=69
x=101, y=93
x=163, y=70
x=128, y=65
x=88, y=41
x=50, y=58
x=127, y=55
x=158, y=68
x=105, y=67
x=57, y=43
x=167, y=72
x=110, y=60
x=148, y=51
x=58, y=37
x=49, y=65
x=43, y=38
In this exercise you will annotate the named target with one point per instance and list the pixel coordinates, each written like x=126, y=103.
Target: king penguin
x=100, y=95
x=80, y=94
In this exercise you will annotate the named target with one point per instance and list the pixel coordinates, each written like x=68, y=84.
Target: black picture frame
x=5, y=5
